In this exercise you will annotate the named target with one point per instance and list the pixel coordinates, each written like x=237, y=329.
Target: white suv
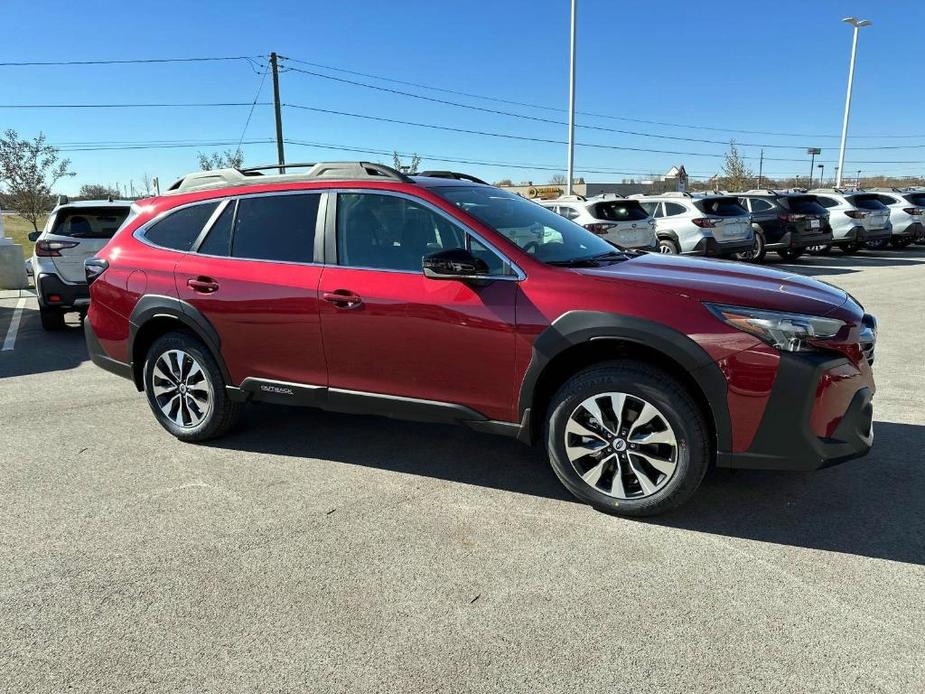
x=907, y=214
x=74, y=232
x=621, y=221
x=690, y=223
x=857, y=219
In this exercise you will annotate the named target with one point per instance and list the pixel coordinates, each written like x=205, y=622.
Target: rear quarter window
x=178, y=230
x=89, y=222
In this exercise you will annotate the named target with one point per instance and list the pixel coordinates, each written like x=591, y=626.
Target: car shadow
x=837, y=263
x=871, y=507
x=37, y=351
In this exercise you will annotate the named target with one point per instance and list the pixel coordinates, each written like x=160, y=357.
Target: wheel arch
x=580, y=339
x=155, y=315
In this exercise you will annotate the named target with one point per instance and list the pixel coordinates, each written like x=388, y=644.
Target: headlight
x=788, y=332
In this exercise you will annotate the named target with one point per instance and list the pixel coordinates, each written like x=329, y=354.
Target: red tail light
x=914, y=210
x=706, y=222
x=52, y=248
x=856, y=214
x=790, y=217
x=599, y=228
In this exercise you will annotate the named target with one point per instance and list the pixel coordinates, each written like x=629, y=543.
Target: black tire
x=668, y=247
x=222, y=413
x=820, y=250
x=878, y=245
x=791, y=254
x=902, y=243
x=636, y=379
x=52, y=319
x=851, y=248
x=758, y=252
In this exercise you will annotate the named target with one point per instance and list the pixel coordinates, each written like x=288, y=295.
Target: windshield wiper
x=589, y=261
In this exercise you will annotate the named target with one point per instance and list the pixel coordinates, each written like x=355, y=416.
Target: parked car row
x=746, y=225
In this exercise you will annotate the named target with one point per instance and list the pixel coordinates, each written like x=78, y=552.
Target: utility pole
x=812, y=162
x=858, y=24
x=760, y=169
x=571, y=108
x=280, y=154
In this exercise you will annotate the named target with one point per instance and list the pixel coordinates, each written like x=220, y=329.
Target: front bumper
x=785, y=439
x=53, y=292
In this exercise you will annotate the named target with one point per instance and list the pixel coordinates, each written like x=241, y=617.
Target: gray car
x=907, y=214
x=621, y=221
x=696, y=224
x=857, y=219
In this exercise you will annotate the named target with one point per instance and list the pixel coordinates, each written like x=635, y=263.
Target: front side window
x=388, y=232
x=537, y=230
x=276, y=227
x=179, y=230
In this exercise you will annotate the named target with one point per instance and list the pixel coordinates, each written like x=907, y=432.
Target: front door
x=254, y=278
x=388, y=329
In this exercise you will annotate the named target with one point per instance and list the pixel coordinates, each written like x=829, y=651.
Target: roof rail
x=572, y=198
x=451, y=174
x=346, y=170
x=761, y=191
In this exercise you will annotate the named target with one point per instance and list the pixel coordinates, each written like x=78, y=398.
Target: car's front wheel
x=627, y=438
x=186, y=390
x=790, y=254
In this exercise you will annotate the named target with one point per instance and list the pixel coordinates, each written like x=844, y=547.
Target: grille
x=868, y=337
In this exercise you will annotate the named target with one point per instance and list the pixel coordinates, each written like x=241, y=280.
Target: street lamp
x=857, y=24
x=821, y=175
x=858, y=182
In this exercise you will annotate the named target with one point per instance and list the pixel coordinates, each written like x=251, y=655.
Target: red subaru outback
x=356, y=288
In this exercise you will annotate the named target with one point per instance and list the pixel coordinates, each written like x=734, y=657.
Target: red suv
x=356, y=288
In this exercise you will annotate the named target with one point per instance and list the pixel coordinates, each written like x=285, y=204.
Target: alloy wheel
x=181, y=388
x=621, y=445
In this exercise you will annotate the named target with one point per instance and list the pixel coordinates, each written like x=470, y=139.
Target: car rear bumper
x=99, y=357
x=795, y=239
x=710, y=247
x=853, y=235
x=808, y=389
x=53, y=292
x=914, y=230
x=881, y=234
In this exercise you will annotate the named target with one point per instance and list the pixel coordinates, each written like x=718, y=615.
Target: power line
x=526, y=138
x=133, y=61
x=545, y=107
x=138, y=105
x=250, y=113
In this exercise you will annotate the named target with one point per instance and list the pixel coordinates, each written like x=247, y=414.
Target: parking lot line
x=10, y=340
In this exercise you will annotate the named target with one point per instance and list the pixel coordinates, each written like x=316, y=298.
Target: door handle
x=203, y=285
x=342, y=298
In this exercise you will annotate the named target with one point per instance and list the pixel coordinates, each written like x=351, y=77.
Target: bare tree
x=411, y=168
x=229, y=159
x=146, y=182
x=736, y=174
x=28, y=170
x=558, y=180
x=504, y=182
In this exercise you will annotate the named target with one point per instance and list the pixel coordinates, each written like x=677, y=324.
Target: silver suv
x=857, y=218
x=74, y=232
x=907, y=214
x=695, y=224
x=619, y=220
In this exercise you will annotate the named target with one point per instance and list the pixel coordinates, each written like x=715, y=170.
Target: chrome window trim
x=517, y=276
x=140, y=232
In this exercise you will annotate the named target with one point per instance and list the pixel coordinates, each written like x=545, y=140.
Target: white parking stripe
x=10, y=340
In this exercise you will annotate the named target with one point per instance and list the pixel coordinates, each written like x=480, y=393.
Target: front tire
x=186, y=390
x=627, y=438
x=790, y=254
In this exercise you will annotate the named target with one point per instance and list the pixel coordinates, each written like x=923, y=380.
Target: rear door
x=80, y=233
x=765, y=214
x=390, y=330
x=253, y=275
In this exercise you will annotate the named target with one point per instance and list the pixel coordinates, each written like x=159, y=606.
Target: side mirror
x=34, y=236
x=454, y=264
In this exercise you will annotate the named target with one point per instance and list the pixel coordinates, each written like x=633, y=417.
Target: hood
x=726, y=282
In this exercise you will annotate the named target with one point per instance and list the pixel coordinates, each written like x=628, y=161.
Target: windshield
x=806, y=204
x=619, y=211
x=867, y=202
x=89, y=222
x=917, y=199
x=544, y=234
x=722, y=207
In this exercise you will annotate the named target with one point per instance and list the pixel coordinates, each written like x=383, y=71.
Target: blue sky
x=778, y=67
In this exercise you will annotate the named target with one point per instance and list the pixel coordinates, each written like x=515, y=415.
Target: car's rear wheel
x=902, y=243
x=757, y=253
x=790, y=254
x=52, y=318
x=668, y=247
x=824, y=249
x=627, y=438
x=878, y=245
x=851, y=248
x=186, y=390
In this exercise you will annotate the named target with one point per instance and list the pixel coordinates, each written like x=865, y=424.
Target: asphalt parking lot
x=328, y=553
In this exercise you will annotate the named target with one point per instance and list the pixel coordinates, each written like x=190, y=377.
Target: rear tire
x=791, y=254
x=878, y=245
x=607, y=471
x=758, y=252
x=902, y=243
x=186, y=390
x=52, y=318
x=668, y=247
x=851, y=248
x=820, y=250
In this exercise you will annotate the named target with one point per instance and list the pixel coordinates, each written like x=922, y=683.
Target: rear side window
x=568, y=212
x=276, y=227
x=89, y=222
x=672, y=209
x=867, y=202
x=826, y=202
x=178, y=230
x=759, y=205
x=651, y=208
x=619, y=211
x=722, y=207
x=805, y=204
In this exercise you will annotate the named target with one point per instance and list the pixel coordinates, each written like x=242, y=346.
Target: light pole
x=858, y=183
x=571, y=107
x=857, y=24
x=821, y=175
